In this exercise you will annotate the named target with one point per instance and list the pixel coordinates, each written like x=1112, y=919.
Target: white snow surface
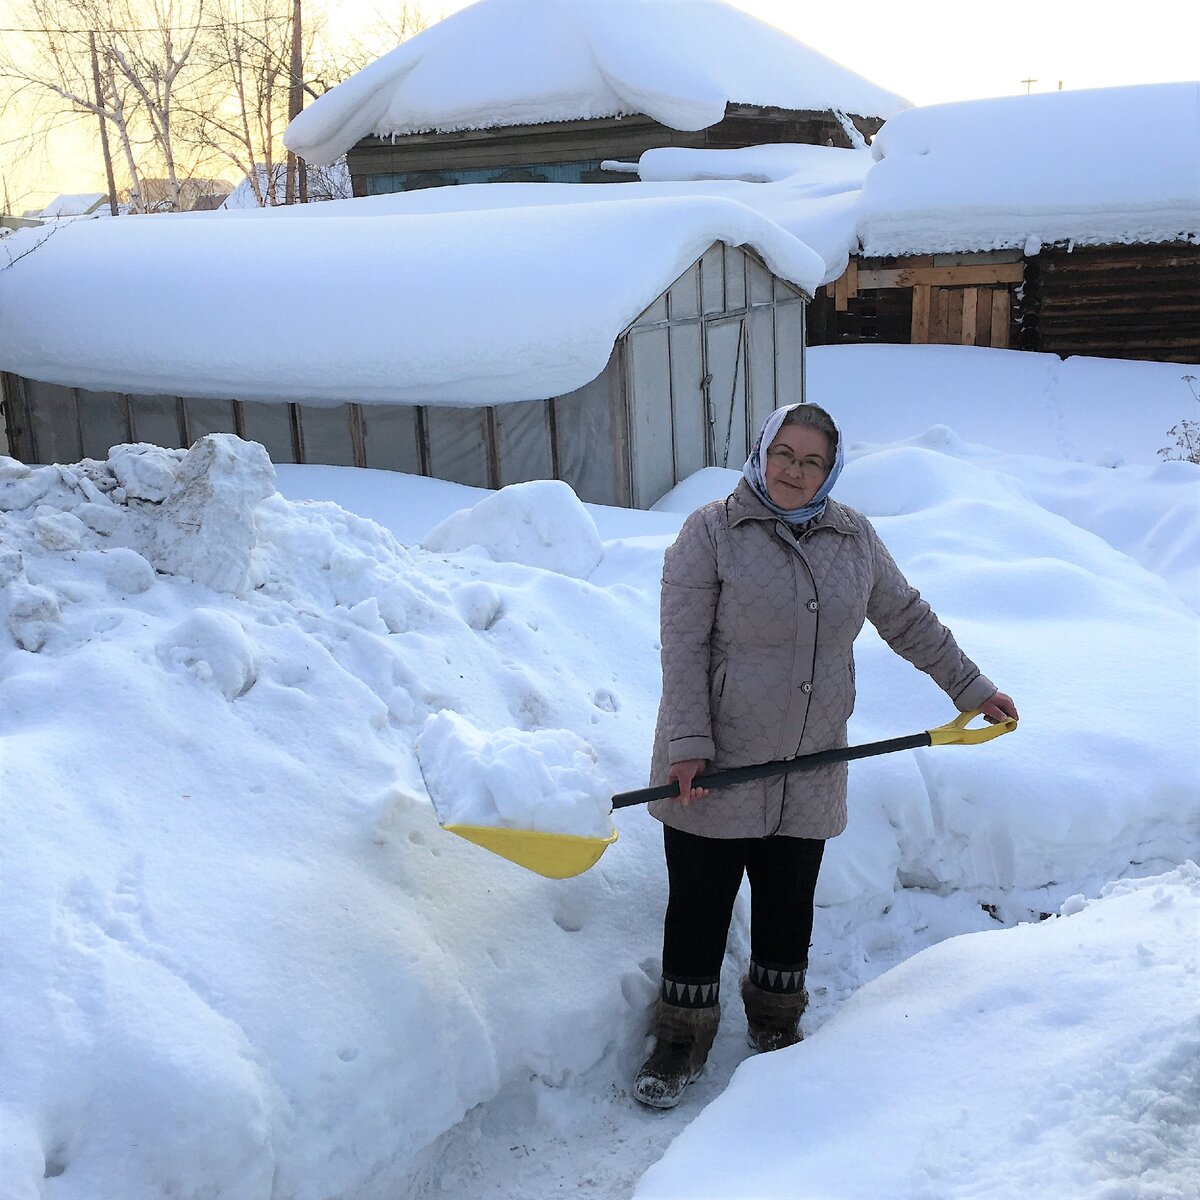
x=1109, y=165
x=478, y=306
x=242, y=960
x=920, y=1067
x=77, y=204
x=678, y=61
x=490, y=293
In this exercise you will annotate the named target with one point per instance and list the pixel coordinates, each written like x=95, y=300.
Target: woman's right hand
x=683, y=773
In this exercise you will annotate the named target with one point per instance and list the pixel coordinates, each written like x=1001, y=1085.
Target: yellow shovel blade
x=554, y=855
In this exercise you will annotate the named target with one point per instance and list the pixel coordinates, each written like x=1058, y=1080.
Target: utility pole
x=1028, y=83
x=108, y=169
x=297, y=173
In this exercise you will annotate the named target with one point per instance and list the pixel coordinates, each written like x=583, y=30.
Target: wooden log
x=969, y=318
x=984, y=273
x=922, y=302
x=840, y=294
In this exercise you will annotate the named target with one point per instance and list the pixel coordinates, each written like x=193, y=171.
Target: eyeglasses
x=785, y=460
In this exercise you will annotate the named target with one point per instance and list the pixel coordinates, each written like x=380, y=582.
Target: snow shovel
x=563, y=855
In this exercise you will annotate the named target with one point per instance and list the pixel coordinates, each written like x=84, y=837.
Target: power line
x=156, y=28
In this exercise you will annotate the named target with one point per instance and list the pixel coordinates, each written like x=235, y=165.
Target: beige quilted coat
x=758, y=631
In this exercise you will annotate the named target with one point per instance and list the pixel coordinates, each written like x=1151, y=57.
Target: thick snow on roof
x=75, y=204
x=1114, y=165
x=518, y=62
x=812, y=195
x=468, y=307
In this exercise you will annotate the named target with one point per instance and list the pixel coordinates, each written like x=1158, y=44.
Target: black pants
x=704, y=875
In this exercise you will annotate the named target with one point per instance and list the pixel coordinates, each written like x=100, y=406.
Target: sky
x=929, y=51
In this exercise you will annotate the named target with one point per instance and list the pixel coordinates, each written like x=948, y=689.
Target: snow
x=77, y=204
x=920, y=1067
x=242, y=959
x=544, y=780
x=680, y=62
x=458, y=307
x=1110, y=165
x=490, y=293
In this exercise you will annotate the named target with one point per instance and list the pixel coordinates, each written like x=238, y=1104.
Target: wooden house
x=1067, y=222
x=619, y=347
x=592, y=82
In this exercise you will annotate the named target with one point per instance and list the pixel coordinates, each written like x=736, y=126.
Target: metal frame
x=724, y=314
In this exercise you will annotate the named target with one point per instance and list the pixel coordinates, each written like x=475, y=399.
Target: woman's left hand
x=998, y=707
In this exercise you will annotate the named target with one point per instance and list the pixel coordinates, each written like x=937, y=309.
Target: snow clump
x=540, y=524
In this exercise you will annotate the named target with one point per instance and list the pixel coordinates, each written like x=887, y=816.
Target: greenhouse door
x=725, y=364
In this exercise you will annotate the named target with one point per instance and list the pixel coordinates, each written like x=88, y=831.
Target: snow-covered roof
x=76, y=204
x=519, y=62
x=1113, y=165
x=453, y=307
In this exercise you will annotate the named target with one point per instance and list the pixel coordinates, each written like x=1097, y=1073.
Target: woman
x=763, y=594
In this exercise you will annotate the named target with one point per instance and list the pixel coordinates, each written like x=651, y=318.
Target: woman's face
x=796, y=464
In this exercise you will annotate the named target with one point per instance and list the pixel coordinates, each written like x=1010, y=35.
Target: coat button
x=806, y=688
x=812, y=606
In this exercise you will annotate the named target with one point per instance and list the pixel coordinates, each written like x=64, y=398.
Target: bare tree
x=153, y=63
x=257, y=74
x=243, y=111
x=54, y=76
x=330, y=63
x=123, y=61
x=181, y=85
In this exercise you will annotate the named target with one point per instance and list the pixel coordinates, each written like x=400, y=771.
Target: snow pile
x=540, y=523
x=1088, y=167
x=458, y=307
x=1055, y=1059
x=234, y=934
x=545, y=780
x=814, y=170
x=680, y=63
x=241, y=957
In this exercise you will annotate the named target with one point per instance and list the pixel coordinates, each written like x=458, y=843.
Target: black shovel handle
x=719, y=779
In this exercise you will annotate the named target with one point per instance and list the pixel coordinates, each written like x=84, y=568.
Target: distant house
x=619, y=346
x=75, y=204
x=598, y=82
x=194, y=194
x=1066, y=222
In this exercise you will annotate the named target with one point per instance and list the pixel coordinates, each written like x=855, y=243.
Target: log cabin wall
x=572, y=151
x=1139, y=302
x=941, y=299
x=1135, y=302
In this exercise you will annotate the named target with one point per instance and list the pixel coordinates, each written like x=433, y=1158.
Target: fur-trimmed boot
x=683, y=1038
x=773, y=1017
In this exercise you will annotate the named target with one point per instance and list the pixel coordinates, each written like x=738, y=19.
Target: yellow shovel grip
x=956, y=733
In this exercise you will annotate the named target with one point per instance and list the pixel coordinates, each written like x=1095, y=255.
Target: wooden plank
x=840, y=294
x=852, y=278
x=943, y=276
x=953, y=300
x=922, y=301
x=969, y=318
x=1001, y=305
x=983, y=317
x=937, y=317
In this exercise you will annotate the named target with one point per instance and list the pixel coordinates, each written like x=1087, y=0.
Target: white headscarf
x=753, y=471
